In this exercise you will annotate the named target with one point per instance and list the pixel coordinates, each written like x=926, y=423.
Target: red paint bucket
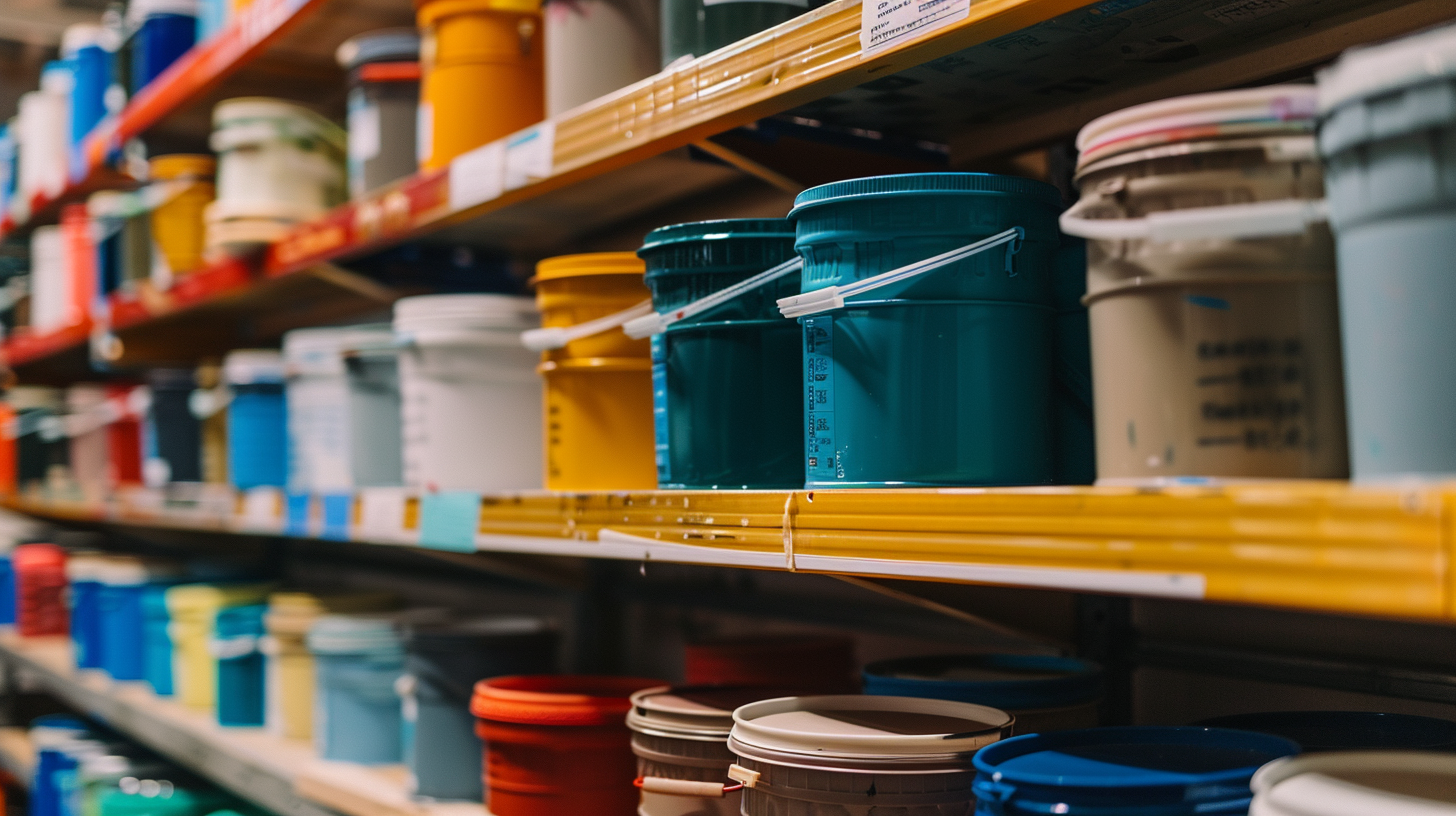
x=558, y=744
x=805, y=664
x=40, y=590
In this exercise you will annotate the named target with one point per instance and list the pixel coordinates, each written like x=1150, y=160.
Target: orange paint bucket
x=483, y=74
x=178, y=228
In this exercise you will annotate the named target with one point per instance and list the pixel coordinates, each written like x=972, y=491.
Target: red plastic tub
x=124, y=437
x=805, y=664
x=40, y=590
x=558, y=744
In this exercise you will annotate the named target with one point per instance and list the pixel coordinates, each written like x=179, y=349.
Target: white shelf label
x=381, y=514
x=886, y=23
x=529, y=155
x=477, y=176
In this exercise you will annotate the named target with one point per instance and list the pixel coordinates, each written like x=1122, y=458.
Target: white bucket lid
x=249, y=366
x=1270, y=109
x=138, y=11
x=78, y=36
x=1357, y=783
x=253, y=119
x=867, y=728
x=351, y=634
x=85, y=566
x=320, y=351
x=510, y=313
x=1370, y=70
x=700, y=713
x=124, y=570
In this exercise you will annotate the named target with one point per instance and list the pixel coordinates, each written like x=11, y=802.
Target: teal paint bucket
x=726, y=380
x=1388, y=138
x=942, y=376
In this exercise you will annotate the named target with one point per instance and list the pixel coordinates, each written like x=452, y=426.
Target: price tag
x=262, y=509
x=530, y=155
x=449, y=520
x=382, y=514
x=884, y=24
x=478, y=176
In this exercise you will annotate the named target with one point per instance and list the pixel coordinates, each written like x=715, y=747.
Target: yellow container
x=598, y=388
x=483, y=74
x=290, y=664
x=194, y=608
x=177, y=225
x=214, y=426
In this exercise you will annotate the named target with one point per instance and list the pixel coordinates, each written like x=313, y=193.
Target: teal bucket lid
x=674, y=236
x=240, y=621
x=920, y=183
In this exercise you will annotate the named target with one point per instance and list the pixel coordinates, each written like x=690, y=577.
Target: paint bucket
x=1382, y=138
x=461, y=361
x=164, y=31
x=557, y=744
x=321, y=436
x=727, y=395
x=384, y=98
x=91, y=66
x=376, y=444
x=55, y=738
x=859, y=755
x=43, y=129
x=126, y=405
x=1043, y=692
x=680, y=737
x=357, y=712
x=124, y=581
x=1211, y=289
x=40, y=590
x=7, y=591
x=52, y=287
x=193, y=610
x=175, y=449
x=1318, y=731
x=483, y=74
x=804, y=664
x=178, y=226
x=692, y=28
x=598, y=385
x=1357, y=783
x=1129, y=771
x=236, y=643
x=257, y=426
x=83, y=585
x=595, y=47
x=157, y=640
x=442, y=666
x=40, y=441
x=942, y=376
x=86, y=421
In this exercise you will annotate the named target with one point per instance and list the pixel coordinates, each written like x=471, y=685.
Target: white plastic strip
x=555, y=337
x=1260, y=219
x=657, y=322
x=1129, y=582
x=613, y=544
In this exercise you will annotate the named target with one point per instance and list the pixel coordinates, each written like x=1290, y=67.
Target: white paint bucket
x=321, y=418
x=1357, y=783
x=595, y=47
x=471, y=399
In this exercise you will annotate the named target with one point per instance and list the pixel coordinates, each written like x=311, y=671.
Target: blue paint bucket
x=1043, y=692
x=54, y=737
x=357, y=716
x=91, y=67
x=83, y=574
x=940, y=375
x=123, y=625
x=157, y=640
x=7, y=590
x=240, y=665
x=1385, y=133
x=443, y=664
x=165, y=30
x=1347, y=730
x=257, y=426
x=1130, y=771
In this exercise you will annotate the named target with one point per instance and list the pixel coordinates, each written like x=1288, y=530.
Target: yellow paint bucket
x=193, y=609
x=598, y=386
x=177, y=225
x=482, y=74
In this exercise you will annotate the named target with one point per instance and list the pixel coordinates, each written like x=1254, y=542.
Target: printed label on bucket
x=659, y=408
x=820, y=461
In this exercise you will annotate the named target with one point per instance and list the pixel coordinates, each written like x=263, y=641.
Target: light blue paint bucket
x=356, y=710
x=156, y=640
x=257, y=428
x=941, y=375
x=1131, y=771
x=1043, y=692
x=236, y=644
x=123, y=621
x=1386, y=134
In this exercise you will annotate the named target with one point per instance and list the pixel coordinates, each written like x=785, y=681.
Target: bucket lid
x=253, y=366
x=191, y=599
x=240, y=620
x=128, y=570
x=1011, y=682
x=557, y=699
x=384, y=45
x=83, y=566
x=1376, y=69
x=57, y=726
x=1358, y=783
x=693, y=712
x=182, y=165
x=876, y=186
x=511, y=313
x=353, y=634
x=1346, y=730
x=463, y=634
x=27, y=397
x=80, y=35
x=38, y=556
x=249, y=119
x=866, y=729
x=137, y=11
x=589, y=263
x=1267, y=110
x=722, y=229
x=320, y=351
x=427, y=12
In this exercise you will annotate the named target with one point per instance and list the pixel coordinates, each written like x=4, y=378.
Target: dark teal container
x=1075, y=438
x=945, y=378
x=695, y=28
x=726, y=382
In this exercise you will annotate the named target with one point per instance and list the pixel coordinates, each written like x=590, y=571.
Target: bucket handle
x=686, y=787
x=832, y=297
x=1258, y=219
x=657, y=322
x=555, y=337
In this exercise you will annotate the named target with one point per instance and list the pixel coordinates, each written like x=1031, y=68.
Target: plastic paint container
x=357, y=714
x=1383, y=138
x=7, y=591
x=257, y=419
x=176, y=454
x=83, y=572
x=942, y=378
x=442, y=666
x=808, y=664
x=124, y=433
x=123, y=622
x=165, y=30
x=376, y=443
x=209, y=407
x=595, y=47
x=598, y=387
x=1357, y=783
x=157, y=640
x=52, y=286
x=193, y=609
x=1073, y=431
x=178, y=226
x=86, y=425
x=461, y=362
x=860, y=756
x=321, y=435
x=236, y=643
x=1347, y=730
x=692, y=28
x=557, y=744
x=1211, y=289
x=40, y=590
x=53, y=736
x=43, y=131
x=167, y=798
x=727, y=382
x=483, y=74
x=91, y=65
x=384, y=98
x=1044, y=693
x=1131, y=770
x=40, y=444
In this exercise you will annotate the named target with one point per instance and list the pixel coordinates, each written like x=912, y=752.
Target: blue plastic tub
x=7, y=590
x=236, y=643
x=442, y=667
x=122, y=618
x=52, y=735
x=940, y=379
x=1347, y=730
x=168, y=29
x=257, y=421
x=85, y=614
x=1044, y=692
x=359, y=659
x=157, y=640
x=91, y=67
x=1132, y=771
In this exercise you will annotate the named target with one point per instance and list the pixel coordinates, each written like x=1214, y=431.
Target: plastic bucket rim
x=896, y=747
